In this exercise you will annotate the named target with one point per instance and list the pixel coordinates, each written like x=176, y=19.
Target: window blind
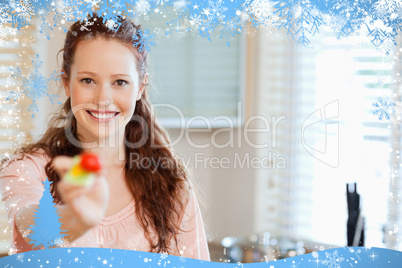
x=363, y=139
x=393, y=238
x=15, y=123
x=308, y=198
x=285, y=189
x=192, y=76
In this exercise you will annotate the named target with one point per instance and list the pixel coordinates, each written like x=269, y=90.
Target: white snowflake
x=110, y=24
x=261, y=9
x=335, y=22
x=62, y=7
x=383, y=108
x=162, y=259
x=262, y=16
x=195, y=20
x=142, y=7
x=216, y=9
x=94, y=3
x=164, y=255
x=206, y=12
x=180, y=5
x=333, y=260
x=24, y=12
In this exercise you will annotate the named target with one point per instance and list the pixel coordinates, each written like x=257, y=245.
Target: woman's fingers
x=69, y=191
x=62, y=164
x=89, y=203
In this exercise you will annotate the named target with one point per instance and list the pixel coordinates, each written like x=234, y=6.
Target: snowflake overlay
x=163, y=257
x=144, y=41
x=383, y=108
x=300, y=18
x=34, y=86
x=333, y=260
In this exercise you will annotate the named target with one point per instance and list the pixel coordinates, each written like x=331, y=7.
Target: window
x=15, y=121
x=194, y=77
x=339, y=78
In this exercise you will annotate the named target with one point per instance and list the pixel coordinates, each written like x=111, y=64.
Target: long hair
x=160, y=192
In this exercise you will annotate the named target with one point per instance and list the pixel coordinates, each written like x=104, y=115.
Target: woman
x=145, y=205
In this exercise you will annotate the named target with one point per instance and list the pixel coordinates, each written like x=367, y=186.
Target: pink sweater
x=21, y=185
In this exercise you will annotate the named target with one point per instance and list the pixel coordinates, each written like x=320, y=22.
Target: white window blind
x=308, y=198
x=15, y=123
x=364, y=139
x=198, y=77
x=280, y=95
x=393, y=238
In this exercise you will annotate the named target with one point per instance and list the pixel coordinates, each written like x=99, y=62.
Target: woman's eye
x=121, y=82
x=86, y=80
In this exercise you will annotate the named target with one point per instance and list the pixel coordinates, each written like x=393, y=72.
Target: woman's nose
x=104, y=96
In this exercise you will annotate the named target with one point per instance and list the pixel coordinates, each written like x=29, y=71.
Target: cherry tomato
x=90, y=162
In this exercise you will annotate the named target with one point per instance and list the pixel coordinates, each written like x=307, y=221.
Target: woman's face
x=103, y=86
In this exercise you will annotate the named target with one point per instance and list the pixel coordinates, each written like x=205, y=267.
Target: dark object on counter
x=355, y=225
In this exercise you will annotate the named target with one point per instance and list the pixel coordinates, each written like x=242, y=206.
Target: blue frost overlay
x=46, y=230
x=383, y=108
x=380, y=20
x=103, y=257
x=34, y=86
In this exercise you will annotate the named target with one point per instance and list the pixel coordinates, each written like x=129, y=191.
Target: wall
x=228, y=187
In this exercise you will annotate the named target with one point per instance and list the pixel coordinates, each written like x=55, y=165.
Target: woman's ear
x=65, y=83
x=144, y=84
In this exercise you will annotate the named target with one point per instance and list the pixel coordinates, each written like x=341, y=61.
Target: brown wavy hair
x=160, y=193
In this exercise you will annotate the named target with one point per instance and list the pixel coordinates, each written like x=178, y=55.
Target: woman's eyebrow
x=85, y=72
x=94, y=74
x=121, y=75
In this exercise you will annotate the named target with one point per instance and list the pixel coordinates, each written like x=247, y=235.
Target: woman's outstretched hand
x=88, y=204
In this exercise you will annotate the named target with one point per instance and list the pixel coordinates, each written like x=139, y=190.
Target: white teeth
x=102, y=116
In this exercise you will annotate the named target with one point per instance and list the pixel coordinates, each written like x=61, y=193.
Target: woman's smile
x=102, y=116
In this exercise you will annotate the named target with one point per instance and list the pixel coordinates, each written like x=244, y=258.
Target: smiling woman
x=107, y=113
x=103, y=95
